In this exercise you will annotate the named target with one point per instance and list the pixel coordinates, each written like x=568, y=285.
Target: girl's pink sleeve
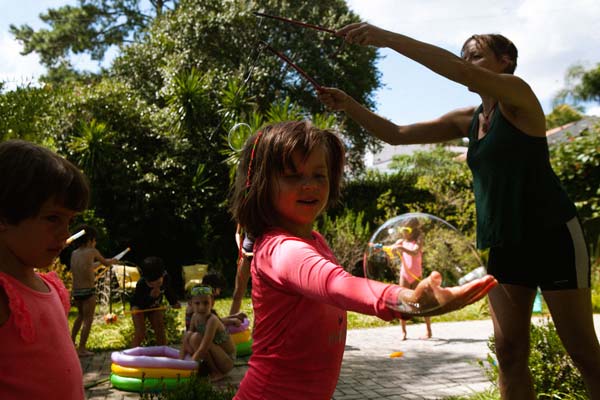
x=299, y=267
x=65, y=298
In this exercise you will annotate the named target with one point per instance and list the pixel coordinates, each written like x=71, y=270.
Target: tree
x=20, y=112
x=150, y=131
x=581, y=85
x=90, y=27
x=222, y=41
x=562, y=115
x=218, y=39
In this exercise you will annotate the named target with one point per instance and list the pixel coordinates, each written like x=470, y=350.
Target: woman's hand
x=430, y=298
x=334, y=99
x=364, y=34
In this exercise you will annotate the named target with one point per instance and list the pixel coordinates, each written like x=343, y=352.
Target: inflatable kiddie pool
x=242, y=338
x=150, y=369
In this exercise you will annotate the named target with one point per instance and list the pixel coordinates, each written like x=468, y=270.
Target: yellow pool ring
x=134, y=372
x=244, y=349
x=241, y=337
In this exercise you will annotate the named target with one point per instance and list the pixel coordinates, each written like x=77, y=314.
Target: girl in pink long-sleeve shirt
x=288, y=173
x=40, y=193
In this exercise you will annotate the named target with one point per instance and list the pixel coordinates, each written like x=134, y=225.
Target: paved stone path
x=443, y=366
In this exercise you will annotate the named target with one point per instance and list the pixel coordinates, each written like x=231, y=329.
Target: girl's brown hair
x=31, y=174
x=269, y=152
x=498, y=44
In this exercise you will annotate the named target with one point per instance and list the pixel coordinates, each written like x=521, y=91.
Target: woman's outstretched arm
x=449, y=126
x=506, y=88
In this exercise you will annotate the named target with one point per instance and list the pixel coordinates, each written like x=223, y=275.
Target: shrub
x=364, y=193
x=347, y=236
x=577, y=165
x=195, y=388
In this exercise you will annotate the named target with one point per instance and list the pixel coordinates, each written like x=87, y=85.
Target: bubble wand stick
x=304, y=25
x=140, y=311
x=291, y=63
x=294, y=22
x=121, y=254
x=75, y=237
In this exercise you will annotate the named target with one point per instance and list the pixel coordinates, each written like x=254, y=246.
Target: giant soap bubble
x=407, y=248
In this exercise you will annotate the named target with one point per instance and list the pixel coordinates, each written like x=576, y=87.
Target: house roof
x=572, y=129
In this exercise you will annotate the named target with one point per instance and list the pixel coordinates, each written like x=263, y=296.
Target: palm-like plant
x=92, y=148
x=188, y=98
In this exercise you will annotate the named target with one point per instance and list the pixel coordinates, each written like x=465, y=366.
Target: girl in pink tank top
x=40, y=193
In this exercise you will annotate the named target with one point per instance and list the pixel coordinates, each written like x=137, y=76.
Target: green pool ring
x=244, y=349
x=146, y=385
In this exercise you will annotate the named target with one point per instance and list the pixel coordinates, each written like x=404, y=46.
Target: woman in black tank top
x=522, y=210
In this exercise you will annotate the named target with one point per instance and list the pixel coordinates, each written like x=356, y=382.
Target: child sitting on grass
x=217, y=283
x=208, y=341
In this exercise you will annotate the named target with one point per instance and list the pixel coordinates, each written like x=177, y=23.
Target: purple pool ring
x=235, y=329
x=152, y=357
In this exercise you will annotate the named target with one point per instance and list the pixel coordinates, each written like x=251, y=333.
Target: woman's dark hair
x=498, y=44
x=214, y=280
x=268, y=153
x=152, y=268
x=31, y=174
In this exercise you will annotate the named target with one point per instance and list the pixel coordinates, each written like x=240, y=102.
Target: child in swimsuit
x=208, y=341
x=83, y=264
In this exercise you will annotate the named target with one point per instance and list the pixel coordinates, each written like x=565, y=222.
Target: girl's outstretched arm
x=297, y=266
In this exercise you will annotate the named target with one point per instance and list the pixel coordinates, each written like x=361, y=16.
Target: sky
x=551, y=36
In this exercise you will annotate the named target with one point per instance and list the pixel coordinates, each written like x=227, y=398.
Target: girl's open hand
x=430, y=298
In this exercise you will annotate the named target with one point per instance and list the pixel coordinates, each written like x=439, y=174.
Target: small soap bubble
x=237, y=135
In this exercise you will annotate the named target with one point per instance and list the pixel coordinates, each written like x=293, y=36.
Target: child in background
x=207, y=340
x=410, y=247
x=83, y=265
x=242, y=273
x=217, y=283
x=147, y=298
x=40, y=193
x=288, y=173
